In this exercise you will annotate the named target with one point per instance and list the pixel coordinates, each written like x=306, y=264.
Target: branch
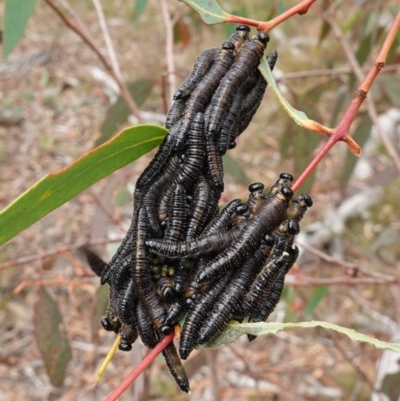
x=366, y=82
x=59, y=251
x=169, y=48
x=107, y=39
x=342, y=130
x=76, y=26
x=300, y=9
x=147, y=360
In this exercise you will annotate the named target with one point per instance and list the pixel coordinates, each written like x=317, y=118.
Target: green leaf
x=234, y=330
x=298, y=116
x=119, y=112
x=16, y=15
x=53, y=190
x=138, y=9
x=317, y=296
x=52, y=344
x=232, y=167
x=209, y=10
x=361, y=134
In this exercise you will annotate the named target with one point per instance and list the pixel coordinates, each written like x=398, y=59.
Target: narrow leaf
x=234, y=330
x=119, y=112
x=53, y=190
x=298, y=116
x=316, y=297
x=138, y=9
x=52, y=344
x=209, y=10
x=16, y=15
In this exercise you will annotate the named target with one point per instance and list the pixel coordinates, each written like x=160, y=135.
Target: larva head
x=232, y=145
x=256, y=187
x=106, y=324
x=306, y=200
x=287, y=192
x=125, y=347
x=228, y=47
x=262, y=38
x=298, y=207
x=285, y=179
x=269, y=240
x=293, y=227
x=241, y=209
x=166, y=330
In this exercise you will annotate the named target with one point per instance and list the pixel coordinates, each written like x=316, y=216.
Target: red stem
x=300, y=8
x=146, y=362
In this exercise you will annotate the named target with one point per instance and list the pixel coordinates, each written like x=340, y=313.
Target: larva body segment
x=270, y=214
x=195, y=153
x=126, y=304
x=142, y=277
x=298, y=207
x=128, y=336
x=175, y=113
x=176, y=368
x=176, y=311
x=123, y=250
x=269, y=304
x=157, y=164
x=214, y=166
x=240, y=35
x=230, y=300
x=203, y=92
x=253, y=99
x=96, y=263
x=197, y=315
x=201, y=66
x=274, y=294
x=153, y=193
x=182, y=275
x=194, y=248
x=144, y=327
x=201, y=208
x=248, y=59
x=263, y=283
x=176, y=225
x=111, y=321
x=121, y=274
x=223, y=220
x=230, y=121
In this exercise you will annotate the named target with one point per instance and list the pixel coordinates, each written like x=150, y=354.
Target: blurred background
x=58, y=101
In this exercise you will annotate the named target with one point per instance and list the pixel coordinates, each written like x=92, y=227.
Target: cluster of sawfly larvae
x=182, y=257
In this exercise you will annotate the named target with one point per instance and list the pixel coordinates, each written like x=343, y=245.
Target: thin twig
x=350, y=268
x=312, y=282
x=169, y=47
x=147, y=360
x=300, y=8
x=75, y=26
x=107, y=39
x=356, y=68
x=341, y=132
x=59, y=251
x=332, y=72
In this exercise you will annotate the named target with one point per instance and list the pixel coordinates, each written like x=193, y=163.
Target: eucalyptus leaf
x=234, y=330
x=54, y=190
